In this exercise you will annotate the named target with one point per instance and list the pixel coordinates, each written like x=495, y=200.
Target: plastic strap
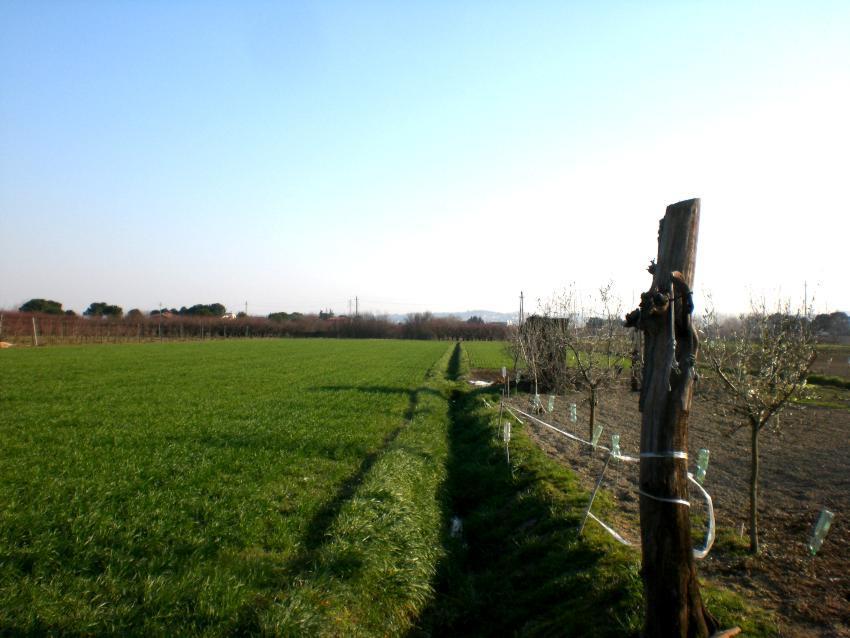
x=672, y=454
x=619, y=457
x=608, y=529
x=623, y=457
x=567, y=434
x=675, y=501
x=709, y=538
x=511, y=412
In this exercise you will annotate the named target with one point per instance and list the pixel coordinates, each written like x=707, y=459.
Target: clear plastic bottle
x=615, y=445
x=573, y=414
x=597, y=432
x=551, y=406
x=702, y=465
x=821, y=528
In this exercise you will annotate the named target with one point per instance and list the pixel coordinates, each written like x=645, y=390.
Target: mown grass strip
x=372, y=572
x=487, y=355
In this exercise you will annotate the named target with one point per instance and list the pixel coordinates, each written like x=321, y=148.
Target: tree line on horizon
x=210, y=321
x=102, y=309
x=419, y=325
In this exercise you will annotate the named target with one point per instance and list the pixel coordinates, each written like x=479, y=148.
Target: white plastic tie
x=675, y=501
x=511, y=412
x=672, y=454
x=619, y=457
x=609, y=530
x=709, y=537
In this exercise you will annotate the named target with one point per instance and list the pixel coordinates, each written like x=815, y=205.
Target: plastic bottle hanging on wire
x=615, y=445
x=819, y=533
x=597, y=432
x=702, y=465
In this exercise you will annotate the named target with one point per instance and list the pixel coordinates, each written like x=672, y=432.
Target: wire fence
x=615, y=473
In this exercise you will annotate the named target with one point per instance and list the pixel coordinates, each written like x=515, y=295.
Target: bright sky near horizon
x=433, y=155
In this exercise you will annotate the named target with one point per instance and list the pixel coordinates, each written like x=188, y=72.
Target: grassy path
x=368, y=565
x=519, y=567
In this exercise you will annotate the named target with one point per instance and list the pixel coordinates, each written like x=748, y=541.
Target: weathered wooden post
x=674, y=606
x=636, y=363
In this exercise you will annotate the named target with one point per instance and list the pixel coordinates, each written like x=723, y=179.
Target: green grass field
x=213, y=488
x=488, y=355
x=293, y=487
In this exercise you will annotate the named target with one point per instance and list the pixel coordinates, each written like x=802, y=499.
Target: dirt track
x=805, y=467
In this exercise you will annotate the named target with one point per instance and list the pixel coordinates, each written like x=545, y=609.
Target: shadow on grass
x=385, y=389
x=453, y=369
x=519, y=567
x=320, y=524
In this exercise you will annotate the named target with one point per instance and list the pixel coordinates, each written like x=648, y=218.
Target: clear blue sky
x=434, y=155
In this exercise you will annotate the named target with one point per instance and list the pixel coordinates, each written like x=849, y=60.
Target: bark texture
x=674, y=606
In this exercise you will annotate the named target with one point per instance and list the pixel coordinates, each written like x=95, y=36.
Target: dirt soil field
x=805, y=467
x=833, y=360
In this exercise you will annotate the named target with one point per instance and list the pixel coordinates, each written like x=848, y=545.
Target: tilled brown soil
x=833, y=360
x=805, y=466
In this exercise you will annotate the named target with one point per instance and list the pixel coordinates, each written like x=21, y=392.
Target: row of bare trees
x=25, y=328
x=759, y=361
x=574, y=343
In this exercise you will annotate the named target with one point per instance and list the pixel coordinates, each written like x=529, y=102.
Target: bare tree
x=762, y=362
x=572, y=342
x=527, y=341
x=596, y=343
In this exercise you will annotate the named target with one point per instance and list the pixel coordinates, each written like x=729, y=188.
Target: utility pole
x=357, y=306
x=806, y=298
x=521, y=309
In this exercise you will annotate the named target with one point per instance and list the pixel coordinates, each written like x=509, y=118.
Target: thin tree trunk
x=754, y=479
x=594, y=400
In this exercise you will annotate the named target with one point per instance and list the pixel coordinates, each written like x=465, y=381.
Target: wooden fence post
x=674, y=607
x=34, y=333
